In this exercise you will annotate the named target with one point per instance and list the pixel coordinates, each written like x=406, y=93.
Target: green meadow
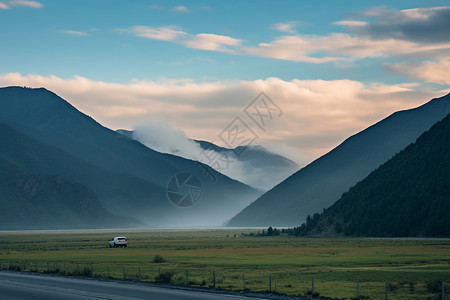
x=414, y=268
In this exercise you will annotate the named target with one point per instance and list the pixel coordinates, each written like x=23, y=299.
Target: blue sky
x=334, y=67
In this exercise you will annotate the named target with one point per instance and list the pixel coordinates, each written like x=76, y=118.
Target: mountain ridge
x=408, y=196
x=319, y=184
x=51, y=120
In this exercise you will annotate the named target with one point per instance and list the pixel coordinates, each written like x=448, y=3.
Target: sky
x=327, y=69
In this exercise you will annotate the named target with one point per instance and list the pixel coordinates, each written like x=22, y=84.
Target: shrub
x=158, y=259
x=164, y=277
x=434, y=286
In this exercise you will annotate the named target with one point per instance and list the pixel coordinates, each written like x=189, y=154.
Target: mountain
x=321, y=183
x=253, y=165
x=42, y=200
x=127, y=177
x=408, y=196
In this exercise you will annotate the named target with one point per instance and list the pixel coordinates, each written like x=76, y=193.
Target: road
x=39, y=286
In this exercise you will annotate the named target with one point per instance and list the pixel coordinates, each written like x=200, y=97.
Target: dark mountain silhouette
x=127, y=176
x=31, y=200
x=261, y=168
x=407, y=196
x=321, y=183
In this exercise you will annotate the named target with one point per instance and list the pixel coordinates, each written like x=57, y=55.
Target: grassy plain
x=195, y=255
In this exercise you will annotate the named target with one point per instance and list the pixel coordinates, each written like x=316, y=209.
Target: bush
x=434, y=286
x=12, y=267
x=86, y=271
x=164, y=277
x=158, y=259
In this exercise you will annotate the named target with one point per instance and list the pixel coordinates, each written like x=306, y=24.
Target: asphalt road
x=38, y=286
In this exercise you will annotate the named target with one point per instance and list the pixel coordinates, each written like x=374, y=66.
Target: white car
x=118, y=241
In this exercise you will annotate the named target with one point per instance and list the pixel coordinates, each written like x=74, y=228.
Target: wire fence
x=232, y=279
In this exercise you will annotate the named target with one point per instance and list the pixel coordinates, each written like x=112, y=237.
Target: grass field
x=413, y=267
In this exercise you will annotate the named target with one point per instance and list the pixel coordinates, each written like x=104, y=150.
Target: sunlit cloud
x=388, y=33
x=165, y=33
x=211, y=42
x=436, y=71
x=317, y=114
x=4, y=6
x=182, y=9
x=203, y=41
x=286, y=27
x=74, y=32
x=33, y=4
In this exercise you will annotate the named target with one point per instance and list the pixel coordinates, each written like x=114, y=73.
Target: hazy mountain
x=407, y=196
x=127, y=176
x=321, y=183
x=44, y=200
x=257, y=166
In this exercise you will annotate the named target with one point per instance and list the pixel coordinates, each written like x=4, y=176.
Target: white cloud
x=203, y=41
x=339, y=46
x=213, y=42
x=167, y=33
x=74, y=32
x=317, y=116
x=33, y=4
x=285, y=27
x=351, y=23
x=436, y=71
x=391, y=33
x=182, y=9
x=4, y=6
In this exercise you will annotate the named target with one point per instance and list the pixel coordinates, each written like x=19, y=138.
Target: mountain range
x=322, y=182
x=258, y=167
x=127, y=178
x=406, y=196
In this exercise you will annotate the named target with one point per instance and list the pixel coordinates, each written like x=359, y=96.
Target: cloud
x=436, y=71
x=213, y=42
x=4, y=6
x=423, y=25
x=420, y=33
x=182, y=9
x=33, y=4
x=318, y=114
x=167, y=33
x=285, y=27
x=74, y=32
x=337, y=47
x=203, y=41
x=351, y=24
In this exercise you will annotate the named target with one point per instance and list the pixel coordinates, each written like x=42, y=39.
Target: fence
x=229, y=279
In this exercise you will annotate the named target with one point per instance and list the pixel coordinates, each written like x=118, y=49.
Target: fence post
x=357, y=289
x=139, y=273
x=77, y=269
x=92, y=270
x=312, y=286
x=187, y=277
x=386, y=290
x=214, y=278
x=443, y=290
x=107, y=270
x=124, y=275
x=243, y=279
x=65, y=269
x=270, y=283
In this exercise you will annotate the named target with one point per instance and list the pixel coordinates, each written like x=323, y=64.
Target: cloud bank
x=317, y=114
